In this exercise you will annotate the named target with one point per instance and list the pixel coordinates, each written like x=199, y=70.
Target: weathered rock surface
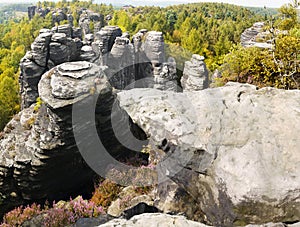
x=87, y=17
x=121, y=63
x=154, y=47
x=195, y=74
x=153, y=220
x=256, y=36
x=52, y=47
x=165, y=76
x=236, y=148
x=39, y=158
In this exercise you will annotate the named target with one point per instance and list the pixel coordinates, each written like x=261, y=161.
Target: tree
x=288, y=17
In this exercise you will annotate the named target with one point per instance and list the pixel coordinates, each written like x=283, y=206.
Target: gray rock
x=58, y=16
x=88, y=17
x=33, y=65
x=195, y=74
x=77, y=33
x=121, y=63
x=154, y=47
x=63, y=49
x=104, y=41
x=165, y=76
x=29, y=78
x=89, y=38
x=88, y=222
x=40, y=48
x=107, y=35
x=39, y=158
x=153, y=220
x=70, y=19
x=232, y=156
x=31, y=12
x=87, y=54
x=66, y=28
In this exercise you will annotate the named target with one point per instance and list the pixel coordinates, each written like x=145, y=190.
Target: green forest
x=209, y=29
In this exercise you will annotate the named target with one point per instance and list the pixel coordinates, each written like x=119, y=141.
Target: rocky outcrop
x=50, y=48
x=33, y=65
x=88, y=17
x=39, y=158
x=232, y=156
x=256, y=36
x=135, y=63
x=31, y=12
x=58, y=16
x=153, y=220
x=165, y=76
x=154, y=47
x=121, y=63
x=195, y=74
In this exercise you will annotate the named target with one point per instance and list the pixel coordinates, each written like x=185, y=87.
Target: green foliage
x=15, y=40
x=207, y=29
x=278, y=68
x=287, y=17
x=38, y=104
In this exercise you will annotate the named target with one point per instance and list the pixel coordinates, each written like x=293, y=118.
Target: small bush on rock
x=105, y=193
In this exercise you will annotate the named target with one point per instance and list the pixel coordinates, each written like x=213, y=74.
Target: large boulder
x=234, y=149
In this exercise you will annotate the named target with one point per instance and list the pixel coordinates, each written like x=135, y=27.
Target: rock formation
x=195, y=74
x=31, y=12
x=58, y=16
x=256, y=36
x=225, y=147
x=165, y=76
x=44, y=162
x=88, y=17
x=121, y=63
x=154, y=47
x=50, y=48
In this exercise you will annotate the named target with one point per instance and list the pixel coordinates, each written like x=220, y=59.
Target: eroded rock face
x=231, y=146
x=87, y=17
x=165, y=77
x=195, y=74
x=154, y=47
x=121, y=63
x=39, y=158
x=50, y=48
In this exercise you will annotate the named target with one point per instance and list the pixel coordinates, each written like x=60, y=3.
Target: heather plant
x=69, y=213
x=19, y=215
x=60, y=215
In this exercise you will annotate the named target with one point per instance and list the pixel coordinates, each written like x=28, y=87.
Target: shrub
x=105, y=193
x=69, y=213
